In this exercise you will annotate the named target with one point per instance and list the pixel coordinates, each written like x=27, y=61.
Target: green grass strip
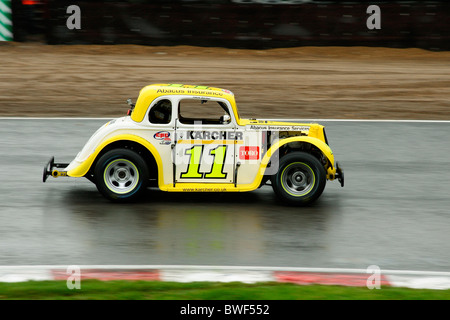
x=157, y=290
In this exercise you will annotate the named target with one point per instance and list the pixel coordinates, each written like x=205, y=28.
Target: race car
x=186, y=138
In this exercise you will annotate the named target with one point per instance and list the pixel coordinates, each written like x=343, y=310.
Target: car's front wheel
x=121, y=175
x=300, y=179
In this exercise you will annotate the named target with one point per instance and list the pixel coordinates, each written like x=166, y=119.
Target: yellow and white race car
x=186, y=138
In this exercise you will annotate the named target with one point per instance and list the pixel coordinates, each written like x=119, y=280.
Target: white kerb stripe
x=216, y=276
x=420, y=282
x=12, y=274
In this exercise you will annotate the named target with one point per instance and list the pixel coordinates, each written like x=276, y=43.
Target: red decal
x=249, y=153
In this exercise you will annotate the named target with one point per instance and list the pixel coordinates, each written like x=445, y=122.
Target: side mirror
x=131, y=107
x=226, y=119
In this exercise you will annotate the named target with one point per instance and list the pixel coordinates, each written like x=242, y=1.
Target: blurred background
x=335, y=59
x=255, y=24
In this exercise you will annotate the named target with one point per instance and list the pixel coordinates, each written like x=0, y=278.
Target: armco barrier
x=249, y=24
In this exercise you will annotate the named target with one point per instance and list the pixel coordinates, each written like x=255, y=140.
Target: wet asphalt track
x=394, y=210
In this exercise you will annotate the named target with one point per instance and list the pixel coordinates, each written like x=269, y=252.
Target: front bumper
x=51, y=169
x=339, y=174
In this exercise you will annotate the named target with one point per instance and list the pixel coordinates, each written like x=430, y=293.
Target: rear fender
x=82, y=169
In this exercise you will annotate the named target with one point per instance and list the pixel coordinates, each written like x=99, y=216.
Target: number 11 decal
x=195, y=156
x=219, y=154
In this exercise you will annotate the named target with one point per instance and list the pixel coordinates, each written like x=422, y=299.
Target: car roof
x=153, y=91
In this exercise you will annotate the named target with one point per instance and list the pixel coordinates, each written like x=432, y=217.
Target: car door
x=205, y=141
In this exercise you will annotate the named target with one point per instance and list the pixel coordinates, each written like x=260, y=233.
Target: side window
x=161, y=112
x=191, y=111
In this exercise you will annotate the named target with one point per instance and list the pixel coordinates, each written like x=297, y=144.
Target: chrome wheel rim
x=298, y=179
x=121, y=176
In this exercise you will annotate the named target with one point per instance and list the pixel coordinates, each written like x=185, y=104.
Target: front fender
x=83, y=168
x=322, y=146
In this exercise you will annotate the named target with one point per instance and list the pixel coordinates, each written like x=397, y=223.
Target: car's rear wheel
x=300, y=179
x=121, y=175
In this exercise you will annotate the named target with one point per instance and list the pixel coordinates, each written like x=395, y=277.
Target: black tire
x=121, y=175
x=300, y=179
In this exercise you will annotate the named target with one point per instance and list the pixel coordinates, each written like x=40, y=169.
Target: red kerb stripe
x=342, y=279
x=106, y=275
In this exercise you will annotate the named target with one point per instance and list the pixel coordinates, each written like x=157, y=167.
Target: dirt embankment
x=306, y=82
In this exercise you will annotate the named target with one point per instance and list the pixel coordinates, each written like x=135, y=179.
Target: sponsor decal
x=166, y=141
x=249, y=153
x=200, y=90
x=170, y=91
x=206, y=189
x=203, y=92
x=278, y=128
x=163, y=136
x=215, y=135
